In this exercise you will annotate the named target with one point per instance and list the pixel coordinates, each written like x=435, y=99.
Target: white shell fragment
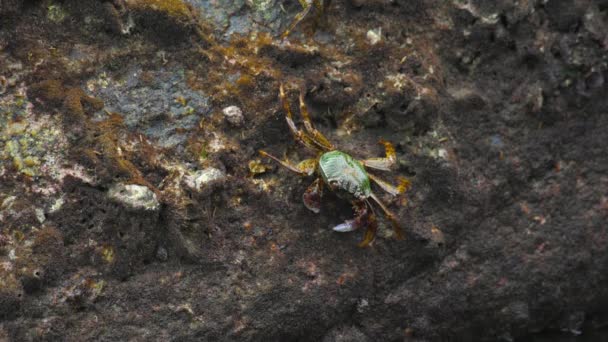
x=134, y=196
x=374, y=36
x=199, y=178
x=234, y=115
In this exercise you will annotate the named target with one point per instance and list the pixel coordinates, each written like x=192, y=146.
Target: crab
x=320, y=7
x=341, y=173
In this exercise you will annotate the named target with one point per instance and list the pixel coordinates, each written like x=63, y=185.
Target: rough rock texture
x=132, y=209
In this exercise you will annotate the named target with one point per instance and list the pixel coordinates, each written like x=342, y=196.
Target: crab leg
x=300, y=136
x=317, y=136
x=391, y=189
x=306, y=5
x=312, y=196
x=305, y=168
x=370, y=233
x=385, y=163
x=321, y=7
x=390, y=216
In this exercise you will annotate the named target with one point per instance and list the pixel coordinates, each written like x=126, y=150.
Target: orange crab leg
x=305, y=168
x=318, y=137
x=299, y=135
x=390, y=216
x=370, y=233
x=306, y=5
x=385, y=163
x=403, y=185
x=321, y=7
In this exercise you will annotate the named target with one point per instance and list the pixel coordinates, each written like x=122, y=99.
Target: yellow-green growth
x=173, y=8
x=56, y=13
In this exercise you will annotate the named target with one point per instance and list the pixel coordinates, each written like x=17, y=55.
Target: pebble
x=198, y=179
x=374, y=36
x=234, y=115
x=134, y=196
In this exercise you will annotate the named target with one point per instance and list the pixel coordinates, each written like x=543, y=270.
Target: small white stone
x=362, y=305
x=199, y=178
x=8, y=202
x=57, y=204
x=216, y=144
x=125, y=28
x=234, y=115
x=40, y=215
x=374, y=36
x=134, y=196
x=442, y=153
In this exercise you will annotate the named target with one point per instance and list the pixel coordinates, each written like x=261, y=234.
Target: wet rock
x=344, y=334
x=240, y=16
x=159, y=104
x=11, y=296
x=573, y=322
x=121, y=227
x=496, y=109
x=31, y=280
x=162, y=254
x=357, y=3
x=81, y=291
x=3, y=84
x=11, y=8
x=168, y=21
x=565, y=14
x=335, y=85
x=467, y=99
x=595, y=22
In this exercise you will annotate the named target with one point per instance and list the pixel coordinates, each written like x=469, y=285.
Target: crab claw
x=312, y=201
x=312, y=196
x=311, y=204
x=363, y=219
x=347, y=226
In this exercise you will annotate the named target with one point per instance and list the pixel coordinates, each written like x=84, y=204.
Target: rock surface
x=132, y=209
